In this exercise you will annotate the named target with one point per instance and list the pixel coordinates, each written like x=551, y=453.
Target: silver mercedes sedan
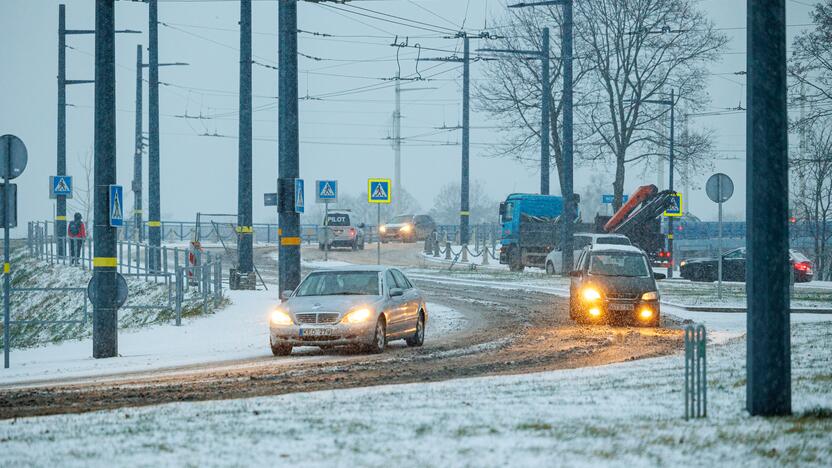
x=364, y=306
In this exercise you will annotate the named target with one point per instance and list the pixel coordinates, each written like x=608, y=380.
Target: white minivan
x=554, y=261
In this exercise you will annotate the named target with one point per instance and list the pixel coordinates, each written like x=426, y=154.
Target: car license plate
x=615, y=306
x=319, y=331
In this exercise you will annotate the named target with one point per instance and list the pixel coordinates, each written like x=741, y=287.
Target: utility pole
x=670, y=187
x=105, y=275
x=768, y=358
x=288, y=145
x=245, y=231
x=137, y=158
x=60, y=200
x=397, y=135
x=545, y=117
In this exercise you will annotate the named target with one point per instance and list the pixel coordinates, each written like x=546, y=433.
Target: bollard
x=485, y=255
x=464, y=253
x=435, y=245
x=180, y=273
x=696, y=376
x=428, y=242
x=447, y=250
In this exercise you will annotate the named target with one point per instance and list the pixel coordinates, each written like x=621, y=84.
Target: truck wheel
x=320, y=247
x=515, y=262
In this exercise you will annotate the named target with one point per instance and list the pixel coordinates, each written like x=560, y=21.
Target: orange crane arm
x=638, y=197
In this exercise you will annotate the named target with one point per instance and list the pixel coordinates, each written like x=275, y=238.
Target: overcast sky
x=342, y=136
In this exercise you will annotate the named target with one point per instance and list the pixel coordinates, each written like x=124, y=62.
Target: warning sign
x=116, y=206
x=674, y=208
x=379, y=191
x=327, y=191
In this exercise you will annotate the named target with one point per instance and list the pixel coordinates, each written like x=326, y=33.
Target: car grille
x=327, y=317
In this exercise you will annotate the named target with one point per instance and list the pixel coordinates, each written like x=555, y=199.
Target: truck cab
x=530, y=229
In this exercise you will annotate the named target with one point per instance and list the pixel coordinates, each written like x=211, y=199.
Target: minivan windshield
x=337, y=283
x=618, y=264
x=401, y=219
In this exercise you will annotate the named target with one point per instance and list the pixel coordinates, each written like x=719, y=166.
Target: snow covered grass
x=623, y=415
x=69, y=305
x=239, y=331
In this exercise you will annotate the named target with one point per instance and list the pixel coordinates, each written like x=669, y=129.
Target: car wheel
x=355, y=245
x=550, y=269
x=320, y=247
x=379, y=338
x=281, y=350
x=418, y=338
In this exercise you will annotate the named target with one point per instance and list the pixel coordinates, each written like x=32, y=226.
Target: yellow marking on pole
x=154, y=224
x=670, y=236
x=290, y=241
x=60, y=218
x=245, y=229
x=105, y=262
x=7, y=268
x=279, y=231
x=465, y=213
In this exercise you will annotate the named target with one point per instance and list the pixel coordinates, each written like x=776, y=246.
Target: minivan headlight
x=591, y=294
x=650, y=296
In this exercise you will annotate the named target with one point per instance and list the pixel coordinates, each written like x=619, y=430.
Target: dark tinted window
x=581, y=242
x=391, y=281
x=613, y=241
x=337, y=219
x=618, y=264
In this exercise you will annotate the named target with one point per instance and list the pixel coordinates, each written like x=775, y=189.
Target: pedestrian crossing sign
x=379, y=191
x=299, y=202
x=60, y=186
x=327, y=191
x=674, y=208
x=116, y=206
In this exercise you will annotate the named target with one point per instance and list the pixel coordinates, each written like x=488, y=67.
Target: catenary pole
x=545, y=118
x=154, y=223
x=139, y=149
x=245, y=260
x=568, y=189
x=465, y=186
x=288, y=144
x=670, y=185
x=105, y=310
x=768, y=358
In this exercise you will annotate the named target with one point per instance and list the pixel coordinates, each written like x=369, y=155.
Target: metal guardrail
x=696, y=372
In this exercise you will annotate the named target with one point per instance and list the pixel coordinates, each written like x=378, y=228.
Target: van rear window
x=613, y=241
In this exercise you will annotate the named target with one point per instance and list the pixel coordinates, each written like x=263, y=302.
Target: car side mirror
x=576, y=273
x=659, y=276
x=285, y=295
x=396, y=292
x=502, y=209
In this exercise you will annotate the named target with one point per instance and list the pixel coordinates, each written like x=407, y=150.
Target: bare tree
x=640, y=50
x=811, y=66
x=445, y=208
x=82, y=198
x=813, y=199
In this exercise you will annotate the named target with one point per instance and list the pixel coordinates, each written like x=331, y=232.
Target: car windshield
x=401, y=219
x=613, y=241
x=337, y=219
x=337, y=283
x=618, y=264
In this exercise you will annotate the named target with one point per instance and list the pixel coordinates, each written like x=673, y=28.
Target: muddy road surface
x=505, y=332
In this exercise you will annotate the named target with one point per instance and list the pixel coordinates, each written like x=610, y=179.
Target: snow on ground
x=239, y=331
x=625, y=415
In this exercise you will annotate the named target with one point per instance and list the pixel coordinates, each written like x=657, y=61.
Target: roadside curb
x=742, y=310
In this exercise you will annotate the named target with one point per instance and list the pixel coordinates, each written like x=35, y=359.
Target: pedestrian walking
x=77, y=232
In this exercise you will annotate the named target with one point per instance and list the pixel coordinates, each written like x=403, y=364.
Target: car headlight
x=591, y=294
x=382, y=229
x=357, y=316
x=407, y=228
x=682, y=263
x=650, y=296
x=279, y=317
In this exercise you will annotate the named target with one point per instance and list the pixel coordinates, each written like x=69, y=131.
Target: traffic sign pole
x=719, y=252
x=378, y=228
x=326, y=231
x=245, y=236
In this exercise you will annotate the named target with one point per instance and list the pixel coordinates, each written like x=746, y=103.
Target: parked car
x=364, y=306
x=554, y=261
x=614, y=284
x=407, y=228
x=338, y=230
x=733, y=267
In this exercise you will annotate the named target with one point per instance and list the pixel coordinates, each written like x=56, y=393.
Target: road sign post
x=379, y=191
x=326, y=191
x=719, y=188
x=13, y=159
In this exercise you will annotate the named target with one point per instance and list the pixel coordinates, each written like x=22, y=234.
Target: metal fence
x=696, y=372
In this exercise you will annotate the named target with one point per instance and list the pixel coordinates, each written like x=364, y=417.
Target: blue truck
x=530, y=229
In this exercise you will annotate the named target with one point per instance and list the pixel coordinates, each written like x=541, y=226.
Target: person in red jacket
x=77, y=232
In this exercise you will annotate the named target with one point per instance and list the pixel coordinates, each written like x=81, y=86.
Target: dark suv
x=407, y=228
x=614, y=284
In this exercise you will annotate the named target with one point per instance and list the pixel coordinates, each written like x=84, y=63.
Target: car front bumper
x=622, y=311
x=334, y=335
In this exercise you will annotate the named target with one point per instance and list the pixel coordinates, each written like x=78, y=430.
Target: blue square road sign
x=379, y=191
x=116, y=206
x=60, y=186
x=299, y=196
x=326, y=191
